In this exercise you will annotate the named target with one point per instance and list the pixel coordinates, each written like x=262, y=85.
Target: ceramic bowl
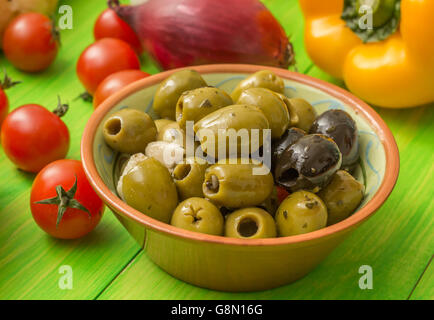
x=237, y=264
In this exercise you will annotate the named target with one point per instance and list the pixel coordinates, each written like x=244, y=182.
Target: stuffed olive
x=301, y=212
x=308, y=164
x=161, y=123
x=232, y=125
x=170, y=90
x=341, y=196
x=149, y=188
x=237, y=185
x=198, y=215
x=338, y=125
x=261, y=79
x=129, y=131
x=189, y=177
x=172, y=133
x=250, y=223
x=195, y=104
x=271, y=105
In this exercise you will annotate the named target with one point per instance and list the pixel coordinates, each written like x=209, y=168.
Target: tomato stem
x=65, y=200
x=7, y=81
x=85, y=96
x=61, y=109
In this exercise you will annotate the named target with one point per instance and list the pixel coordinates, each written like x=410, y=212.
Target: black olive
x=338, y=125
x=308, y=163
x=290, y=137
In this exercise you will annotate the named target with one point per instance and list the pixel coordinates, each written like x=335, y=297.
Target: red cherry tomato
x=101, y=59
x=281, y=194
x=115, y=82
x=4, y=106
x=4, y=101
x=32, y=136
x=109, y=25
x=30, y=42
x=80, y=210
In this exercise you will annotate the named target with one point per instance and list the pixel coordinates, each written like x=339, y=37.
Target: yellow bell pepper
x=393, y=70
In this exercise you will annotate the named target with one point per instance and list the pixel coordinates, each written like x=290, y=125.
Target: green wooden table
x=397, y=242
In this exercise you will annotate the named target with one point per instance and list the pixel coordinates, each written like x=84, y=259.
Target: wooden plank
x=29, y=259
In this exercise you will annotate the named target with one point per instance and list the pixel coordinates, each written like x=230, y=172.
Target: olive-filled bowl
x=231, y=264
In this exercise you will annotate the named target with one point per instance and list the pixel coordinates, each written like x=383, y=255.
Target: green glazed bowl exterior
x=237, y=264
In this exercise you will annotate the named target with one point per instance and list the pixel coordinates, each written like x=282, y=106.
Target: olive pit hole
x=289, y=175
x=181, y=171
x=247, y=227
x=113, y=126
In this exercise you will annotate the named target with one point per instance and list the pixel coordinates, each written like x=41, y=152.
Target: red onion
x=180, y=33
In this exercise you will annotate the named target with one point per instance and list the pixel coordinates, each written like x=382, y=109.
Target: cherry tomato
x=4, y=101
x=109, y=25
x=281, y=194
x=4, y=106
x=101, y=59
x=62, y=201
x=32, y=136
x=115, y=82
x=30, y=42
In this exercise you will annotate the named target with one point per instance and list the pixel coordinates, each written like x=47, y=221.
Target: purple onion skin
x=179, y=33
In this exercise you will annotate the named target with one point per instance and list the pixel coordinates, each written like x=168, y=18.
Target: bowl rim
x=361, y=108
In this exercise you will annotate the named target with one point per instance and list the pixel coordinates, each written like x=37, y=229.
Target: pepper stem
x=372, y=20
x=65, y=200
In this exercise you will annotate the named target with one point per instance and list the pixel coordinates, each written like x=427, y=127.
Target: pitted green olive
x=341, y=196
x=149, y=188
x=129, y=131
x=189, y=177
x=161, y=123
x=250, y=223
x=301, y=212
x=195, y=104
x=198, y=215
x=232, y=125
x=170, y=90
x=237, y=185
x=271, y=105
x=305, y=113
x=261, y=79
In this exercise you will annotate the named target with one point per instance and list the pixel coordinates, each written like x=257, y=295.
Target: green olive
x=161, y=123
x=341, y=196
x=170, y=90
x=149, y=188
x=250, y=223
x=198, y=215
x=236, y=121
x=129, y=131
x=305, y=113
x=189, y=177
x=301, y=212
x=293, y=116
x=195, y=104
x=271, y=105
x=172, y=133
x=271, y=204
x=261, y=79
x=237, y=185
